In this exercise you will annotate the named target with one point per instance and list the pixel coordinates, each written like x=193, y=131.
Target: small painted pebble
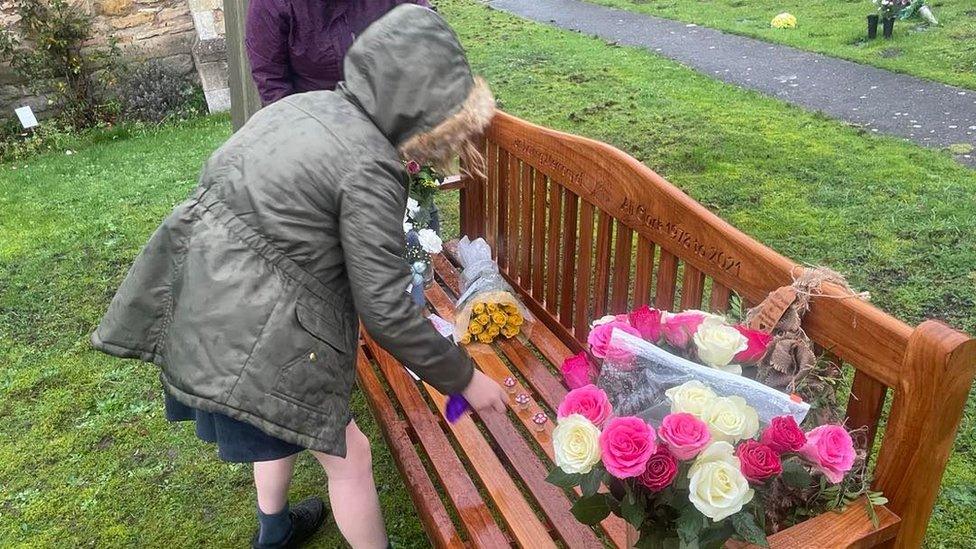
x=522, y=400
x=509, y=383
x=540, y=420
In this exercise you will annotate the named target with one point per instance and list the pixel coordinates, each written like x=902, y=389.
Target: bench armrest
x=452, y=183
x=851, y=527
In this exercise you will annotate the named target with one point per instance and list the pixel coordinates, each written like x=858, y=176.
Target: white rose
x=717, y=487
x=731, y=419
x=429, y=241
x=691, y=397
x=576, y=442
x=718, y=343
x=412, y=207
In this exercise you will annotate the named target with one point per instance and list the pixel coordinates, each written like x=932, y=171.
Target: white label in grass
x=26, y=117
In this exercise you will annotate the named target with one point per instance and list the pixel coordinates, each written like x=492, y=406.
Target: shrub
x=154, y=93
x=47, y=53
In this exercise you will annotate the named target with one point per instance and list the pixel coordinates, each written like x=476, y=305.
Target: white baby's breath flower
x=429, y=241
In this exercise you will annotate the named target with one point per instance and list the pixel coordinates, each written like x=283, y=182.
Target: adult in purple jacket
x=296, y=46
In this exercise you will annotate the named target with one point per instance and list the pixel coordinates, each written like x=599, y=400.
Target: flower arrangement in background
x=420, y=227
x=889, y=9
x=784, y=21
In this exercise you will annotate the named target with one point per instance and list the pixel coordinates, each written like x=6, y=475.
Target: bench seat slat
x=532, y=472
x=531, y=368
x=436, y=521
x=471, y=508
x=529, y=532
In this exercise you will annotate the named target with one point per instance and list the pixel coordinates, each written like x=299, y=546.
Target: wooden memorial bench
x=580, y=230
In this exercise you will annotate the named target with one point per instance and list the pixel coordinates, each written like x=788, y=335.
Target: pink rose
x=684, y=434
x=599, y=338
x=783, y=435
x=648, y=323
x=577, y=371
x=588, y=401
x=610, y=318
x=830, y=449
x=758, y=344
x=679, y=328
x=757, y=461
x=413, y=167
x=626, y=444
x=660, y=471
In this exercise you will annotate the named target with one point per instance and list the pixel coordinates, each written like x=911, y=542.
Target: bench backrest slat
x=582, y=229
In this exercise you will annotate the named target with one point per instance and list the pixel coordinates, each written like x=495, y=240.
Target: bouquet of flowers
x=487, y=308
x=420, y=225
x=888, y=9
x=693, y=453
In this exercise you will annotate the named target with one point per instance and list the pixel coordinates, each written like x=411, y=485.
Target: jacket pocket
x=317, y=376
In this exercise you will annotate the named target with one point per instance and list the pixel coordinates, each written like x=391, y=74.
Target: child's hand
x=484, y=394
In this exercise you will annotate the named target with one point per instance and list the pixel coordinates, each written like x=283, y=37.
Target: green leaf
x=590, y=482
x=563, y=479
x=633, y=510
x=715, y=535
x=591, y=510
x=745, y=525
x=689, y=524
x=796, y=475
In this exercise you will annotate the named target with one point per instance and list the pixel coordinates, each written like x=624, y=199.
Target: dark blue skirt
x=236, y=441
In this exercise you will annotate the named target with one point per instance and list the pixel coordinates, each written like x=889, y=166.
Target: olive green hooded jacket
x=247, y=295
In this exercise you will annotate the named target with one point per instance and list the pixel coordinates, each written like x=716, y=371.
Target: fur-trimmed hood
x=409, y=74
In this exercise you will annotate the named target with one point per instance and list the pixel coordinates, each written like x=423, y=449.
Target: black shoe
x=306, y=519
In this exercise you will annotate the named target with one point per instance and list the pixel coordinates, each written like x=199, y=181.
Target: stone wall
x=184, y=34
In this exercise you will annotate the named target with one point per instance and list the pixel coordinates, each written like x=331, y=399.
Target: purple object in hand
x=457, y=405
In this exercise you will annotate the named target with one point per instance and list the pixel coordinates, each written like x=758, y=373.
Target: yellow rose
x=478, y=309
x=483, y=319
x=510, y=309
x=493, y=330
x=510, y=331
x=466, y=338
x=499, y=318
x=492, y=307
x=731, y=419
x=484, y=337
x=576, y=444
x=718, y=343
x=516, y=320
x=475, y=328
x=691, y=397
x=717, y=487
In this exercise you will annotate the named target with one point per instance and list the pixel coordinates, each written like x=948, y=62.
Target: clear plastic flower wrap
x=637, y=373
x=487, y=308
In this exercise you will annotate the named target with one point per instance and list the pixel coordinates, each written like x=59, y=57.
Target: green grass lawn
x=86, y=457
x=946, y=53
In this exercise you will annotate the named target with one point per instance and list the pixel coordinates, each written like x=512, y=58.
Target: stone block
x=205, y=51
x=137, y=19
x=213, y=76
x=218, y=100
x=203, y=21
x=205, y=5
x=182, y=63
x=114, y=7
